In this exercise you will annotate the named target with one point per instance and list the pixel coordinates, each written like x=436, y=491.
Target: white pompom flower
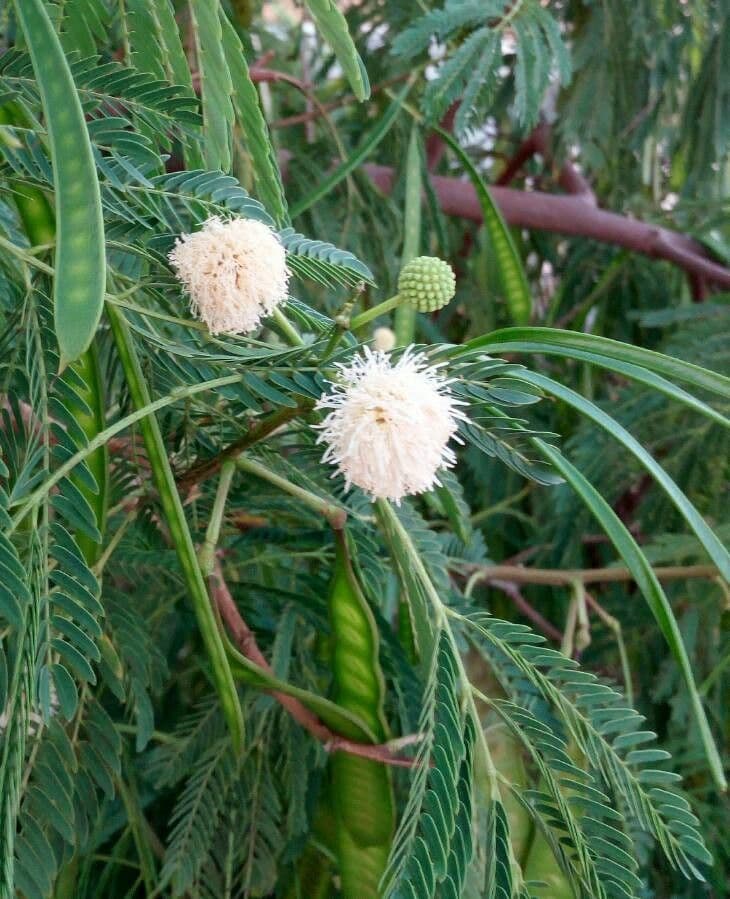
x=234, y=271
x=389, y=424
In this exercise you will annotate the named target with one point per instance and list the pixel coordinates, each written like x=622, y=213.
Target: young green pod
x=85, y=397
x=361, y=788
x=78, y=287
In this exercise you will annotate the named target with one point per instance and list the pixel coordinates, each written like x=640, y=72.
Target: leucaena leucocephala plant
x=346, y=547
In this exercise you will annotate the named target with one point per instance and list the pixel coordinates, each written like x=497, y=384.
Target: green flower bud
x=427, y=283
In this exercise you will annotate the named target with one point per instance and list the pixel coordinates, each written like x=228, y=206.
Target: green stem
x=369, y=314
x=614, y=625
x=178, y=527
x=713, y=676
x=485, y=771
x=335, y=337
x=405, y=316
x=334, y=514
x=342, y=323
x=139, y=827
x=289, y=332
x=405, y=323
x=157, y=735
x=483, y=514
x=207, y=551
x=335, y=718
x=610, y=274
x=26, y=256
x=116, y=298
x=114, y=542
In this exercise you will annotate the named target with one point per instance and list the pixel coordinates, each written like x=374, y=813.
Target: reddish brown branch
x=573, y=182
x=698, y=287
x=259, y=429
x=569, y=215
x=534, y=143
x=246, y=643
x=575, y=215
x=435, y=144
x=569, y=178
x=270, y=76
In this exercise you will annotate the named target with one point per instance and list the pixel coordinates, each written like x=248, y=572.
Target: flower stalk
x=363, y=318
x=405, y=316
x=286, y=328
x=335, y=515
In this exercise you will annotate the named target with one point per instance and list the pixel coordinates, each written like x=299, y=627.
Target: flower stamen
x=234, y=271
x=389, y=424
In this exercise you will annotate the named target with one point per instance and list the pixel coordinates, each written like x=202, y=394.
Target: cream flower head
x=384, y=339
x=389, y=424
x=235, y=272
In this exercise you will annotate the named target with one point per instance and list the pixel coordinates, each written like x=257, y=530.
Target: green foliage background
x=142, y=753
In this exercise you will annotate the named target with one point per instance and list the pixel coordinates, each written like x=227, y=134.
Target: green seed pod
x=361, y=788
x=84, y=390
x=427, y=283
x=80, y=259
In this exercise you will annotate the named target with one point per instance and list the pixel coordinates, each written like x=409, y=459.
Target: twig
x=608, y=277
x=335, y=515
x=332, y=742
x=506, y=578
x=513, y=591
x=558, y=577
x=614, y=625
x=538, y=141
x=501, y=506
x=201, y=471
x=577, y=634
x=435, y=146
x=698, y=287
x=114, y=541
x=530, y=146
x=345, y=100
